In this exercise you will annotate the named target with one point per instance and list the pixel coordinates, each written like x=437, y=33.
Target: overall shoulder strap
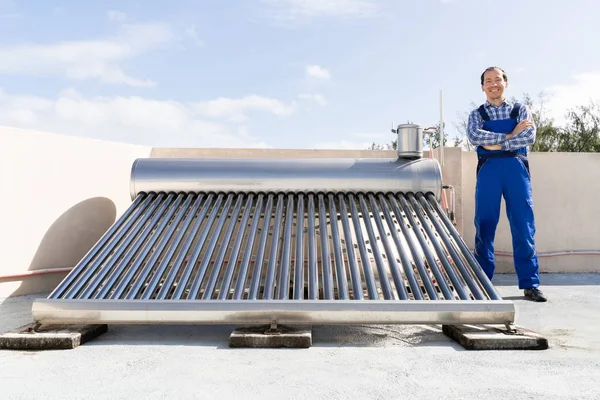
x=514, y=114
x=483, y=113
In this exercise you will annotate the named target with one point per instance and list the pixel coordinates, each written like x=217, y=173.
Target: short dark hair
x=491, y=69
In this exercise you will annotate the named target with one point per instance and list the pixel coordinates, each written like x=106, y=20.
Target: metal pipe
x=139, y=259
x=271, y=268
x=94, y=263
x=398, y=279
x=313, y=284
x=146, y=249
x=325, y=255
x=243, y=312
x=284, y=277
x=441, y=138
x=193, y=212
x=299, y=261
x=87, y=290
x=431, y=292
x=218, y=264
x=452, y=202
x=354, y=272
x=104, y=239
x=453, y=253
x=197, y=282
x=368, y=271
x=116, y=265
x=232, y=263
x=475, y=267
x=245, y=266
x=340, y=270
x=27, y=274
x=386, y=288
x=427, y=251
x=408, y=271
x=312, y=175
x=187, y=272
x=253, y=293
x=164, y=245
x=448, y=268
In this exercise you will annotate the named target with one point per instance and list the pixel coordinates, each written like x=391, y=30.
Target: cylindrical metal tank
x=410, y=141
x=285, y=175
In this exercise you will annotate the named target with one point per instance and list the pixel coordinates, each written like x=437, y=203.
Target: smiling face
x=493, y=86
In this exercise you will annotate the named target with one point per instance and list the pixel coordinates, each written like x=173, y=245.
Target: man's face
x=494, y=84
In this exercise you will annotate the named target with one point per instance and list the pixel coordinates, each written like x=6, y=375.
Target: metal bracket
x=511, y=330
x=33, y=329
x=452, y=206
x=273, y=330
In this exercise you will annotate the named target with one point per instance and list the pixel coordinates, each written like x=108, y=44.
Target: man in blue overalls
x=502, y=131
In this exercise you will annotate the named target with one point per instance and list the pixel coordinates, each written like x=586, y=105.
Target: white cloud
x=193, y=34
x=360, y=141
x=117, y=16
x=314, y=97
x=133, y=120
x=343, y=145
x=307, y=9
x=561, y=97
x=318, y=72
x=236, y=109
x=376, y=136
x=88, y=59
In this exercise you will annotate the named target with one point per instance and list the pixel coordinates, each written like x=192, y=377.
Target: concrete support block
x=495, y=337
x=50, y=337
x=265, y=336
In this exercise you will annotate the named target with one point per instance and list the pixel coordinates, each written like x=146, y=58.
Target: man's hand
x=521, y=126
x=493, y=147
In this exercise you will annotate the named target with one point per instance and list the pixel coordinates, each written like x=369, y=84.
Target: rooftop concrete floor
x=377, y=362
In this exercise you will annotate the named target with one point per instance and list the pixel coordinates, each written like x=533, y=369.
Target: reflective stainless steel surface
x=290, y=312
x=183, y=257
x=285, y=175
x=410, y=141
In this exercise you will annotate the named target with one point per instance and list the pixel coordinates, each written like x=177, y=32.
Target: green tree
x=582, y=132
x=547, y=134
x=461, y=140
x=393, y=145
x=432, y=136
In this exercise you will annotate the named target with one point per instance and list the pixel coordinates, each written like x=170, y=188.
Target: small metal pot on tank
x=410, y=141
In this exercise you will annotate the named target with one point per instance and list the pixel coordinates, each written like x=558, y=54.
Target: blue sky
x=281, y=73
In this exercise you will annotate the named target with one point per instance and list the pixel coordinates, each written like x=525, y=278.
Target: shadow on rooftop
x=590, y=279
x=217, y=336
x=66, y=242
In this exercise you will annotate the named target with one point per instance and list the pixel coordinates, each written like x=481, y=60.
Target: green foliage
x=581, y=133
x=432, y=137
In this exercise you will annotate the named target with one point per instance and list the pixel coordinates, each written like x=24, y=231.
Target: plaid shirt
x=479, y=137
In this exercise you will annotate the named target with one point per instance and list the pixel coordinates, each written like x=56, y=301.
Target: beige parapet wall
x=61, y=193
x=566, y=196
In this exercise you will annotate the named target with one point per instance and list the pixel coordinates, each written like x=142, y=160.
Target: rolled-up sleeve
x=480, y=137
x=525, y=138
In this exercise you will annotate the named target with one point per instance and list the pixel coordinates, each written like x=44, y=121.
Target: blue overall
x=505, y=173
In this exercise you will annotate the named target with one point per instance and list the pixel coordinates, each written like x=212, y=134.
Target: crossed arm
x=523, y=135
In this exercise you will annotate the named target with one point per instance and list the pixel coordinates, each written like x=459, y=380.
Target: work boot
x=535, y=294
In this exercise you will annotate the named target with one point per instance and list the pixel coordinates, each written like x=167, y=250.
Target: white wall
x=58, y=195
